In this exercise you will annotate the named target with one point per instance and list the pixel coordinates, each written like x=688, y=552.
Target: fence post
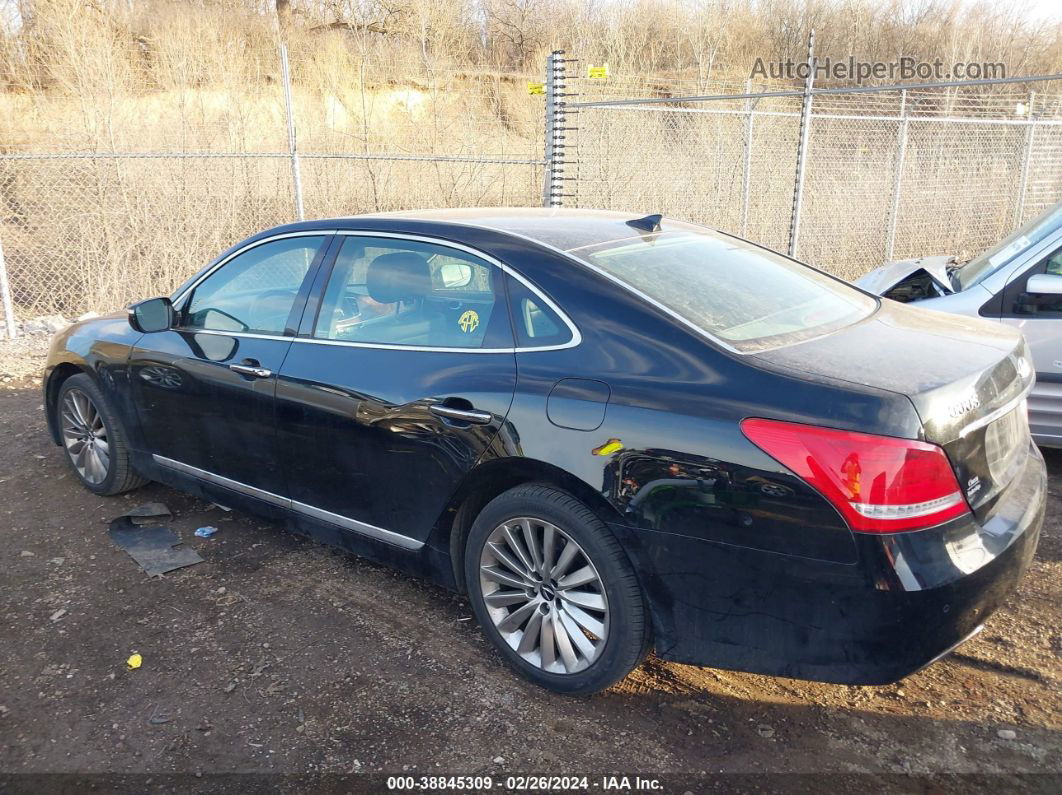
x=746, y=176
x=802, y=148
x=1023, y=182
x=5, y=296
x=552, y=190
x=897, y=182
x=296, y=174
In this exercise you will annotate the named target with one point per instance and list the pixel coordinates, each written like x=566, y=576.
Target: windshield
x=1002, y=253
x=748, y=297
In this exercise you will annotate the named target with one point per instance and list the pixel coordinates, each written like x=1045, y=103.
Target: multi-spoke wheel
x=554, y=590
x=85, y=437
x=93, y=437
x=544, y=595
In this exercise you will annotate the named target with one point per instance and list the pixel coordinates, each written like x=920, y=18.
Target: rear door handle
x=251, y=370
x=474, y=416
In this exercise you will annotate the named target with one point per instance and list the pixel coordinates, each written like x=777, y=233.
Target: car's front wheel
x=554, y=591
x=94, y=439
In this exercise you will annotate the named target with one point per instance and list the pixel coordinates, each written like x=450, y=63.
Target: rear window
x=745, y=296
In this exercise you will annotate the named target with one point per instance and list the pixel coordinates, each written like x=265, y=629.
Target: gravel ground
x=277, y=655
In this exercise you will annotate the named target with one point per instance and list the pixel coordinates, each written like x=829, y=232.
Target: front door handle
x=251, y=370
x=474, y=416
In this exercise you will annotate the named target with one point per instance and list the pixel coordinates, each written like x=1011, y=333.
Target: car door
x=400, y=379
x=204, y=389
x=1039, y=317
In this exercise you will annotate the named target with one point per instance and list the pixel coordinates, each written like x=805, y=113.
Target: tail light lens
x=880, y=484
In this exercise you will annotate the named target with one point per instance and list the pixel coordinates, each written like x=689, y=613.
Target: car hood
x=881, y=280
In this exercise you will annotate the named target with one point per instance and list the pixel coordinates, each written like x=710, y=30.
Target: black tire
x=628, y=635
x=121, y=476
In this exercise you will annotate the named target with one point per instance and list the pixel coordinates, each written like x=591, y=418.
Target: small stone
x=58, y=614
x=765, y=730
x=1007, y=734
x=220, y=590
x=26, y=554
x=230, y=687
x=498, y=760
x=58, y=561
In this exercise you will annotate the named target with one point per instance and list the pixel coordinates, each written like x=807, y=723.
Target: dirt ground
x=277, y=655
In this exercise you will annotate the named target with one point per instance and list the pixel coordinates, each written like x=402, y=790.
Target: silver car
x=1017, y=282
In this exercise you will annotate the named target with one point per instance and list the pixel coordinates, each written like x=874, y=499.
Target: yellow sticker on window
x=536, y=88
x=469, y=321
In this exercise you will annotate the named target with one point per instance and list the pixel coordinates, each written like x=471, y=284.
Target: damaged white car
x=1018, y=282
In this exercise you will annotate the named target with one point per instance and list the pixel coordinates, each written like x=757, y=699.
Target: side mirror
x=154, y=314
x=1044, y=284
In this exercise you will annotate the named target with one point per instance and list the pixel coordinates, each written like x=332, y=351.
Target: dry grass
x=447, y=78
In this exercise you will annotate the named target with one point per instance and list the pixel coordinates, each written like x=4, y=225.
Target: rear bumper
x=909, y=598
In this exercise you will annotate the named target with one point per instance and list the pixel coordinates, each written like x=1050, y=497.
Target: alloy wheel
x=85, y=437
x=544, y=595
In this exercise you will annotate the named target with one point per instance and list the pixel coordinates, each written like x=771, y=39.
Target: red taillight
x=880, y=484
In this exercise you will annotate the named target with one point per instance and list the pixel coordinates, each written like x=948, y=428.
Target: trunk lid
x=967, y=379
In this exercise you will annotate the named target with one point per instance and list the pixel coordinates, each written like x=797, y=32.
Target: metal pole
x=555, y=115
x=5, y=296
x=296, y=174
x=802, y=148
x=1023, y=182
x=897, y=181
x=746, y=176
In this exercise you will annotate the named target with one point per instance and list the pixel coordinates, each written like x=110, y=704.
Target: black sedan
x=613, y=432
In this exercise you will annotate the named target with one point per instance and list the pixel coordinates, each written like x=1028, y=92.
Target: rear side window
x=750, y=298
x=534, y=323
x=393, y=291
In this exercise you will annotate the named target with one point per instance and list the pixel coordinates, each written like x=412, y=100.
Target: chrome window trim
x=365, y=529
x=576, y=339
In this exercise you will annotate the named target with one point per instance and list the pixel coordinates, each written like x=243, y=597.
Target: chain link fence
x=125, y=197
x=887, y=175
x=108, y=199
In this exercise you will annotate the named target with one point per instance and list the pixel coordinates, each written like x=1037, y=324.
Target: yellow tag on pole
x=597, y=72
x=536, y=88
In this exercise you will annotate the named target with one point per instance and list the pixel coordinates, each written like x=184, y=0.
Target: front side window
x=748, y=297
x=406, y=292
x=1018, y=302
x=255, y=291
x=980, y=268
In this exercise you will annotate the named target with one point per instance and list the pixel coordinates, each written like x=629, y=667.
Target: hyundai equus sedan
x=613, y=432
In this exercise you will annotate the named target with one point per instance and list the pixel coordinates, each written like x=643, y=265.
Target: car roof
x=564, y=229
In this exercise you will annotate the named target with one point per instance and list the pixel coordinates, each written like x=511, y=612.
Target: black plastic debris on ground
x=157, y=549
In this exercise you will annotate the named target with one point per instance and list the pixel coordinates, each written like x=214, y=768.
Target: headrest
x=398, y=276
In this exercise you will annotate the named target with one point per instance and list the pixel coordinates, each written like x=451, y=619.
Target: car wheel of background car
x=554, y=591
x=94, y=439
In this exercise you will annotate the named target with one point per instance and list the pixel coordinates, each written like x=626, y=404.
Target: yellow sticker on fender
x=469, y=321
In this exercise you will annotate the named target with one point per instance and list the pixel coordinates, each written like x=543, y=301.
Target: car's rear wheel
x=554, y=591
x=94, y=439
